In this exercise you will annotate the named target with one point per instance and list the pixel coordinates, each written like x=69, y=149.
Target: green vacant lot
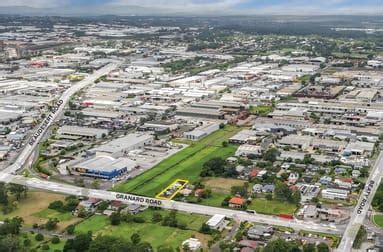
x=261, y=109
x=273, y=207
x=52, y=214
x=186, y=164
x=154, y=233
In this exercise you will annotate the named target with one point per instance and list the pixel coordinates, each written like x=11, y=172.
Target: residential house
x=257, y=232
x=268, y=188
x=293, y=178
x=217, y=222
x=193, y=244
x=257, y=188
x=237, y=202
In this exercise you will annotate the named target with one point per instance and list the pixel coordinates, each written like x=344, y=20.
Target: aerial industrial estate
x=191, y=134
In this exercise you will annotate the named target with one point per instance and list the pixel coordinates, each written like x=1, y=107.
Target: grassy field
x=50, y=213
x=33, y=209
x=222, y=185
x=154, y=233
x=261, y=109
x=186, y=164
x=273, y=207
x=215, y=199
x=378, y=220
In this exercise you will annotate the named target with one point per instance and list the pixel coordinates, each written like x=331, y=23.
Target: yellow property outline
x=158, y=196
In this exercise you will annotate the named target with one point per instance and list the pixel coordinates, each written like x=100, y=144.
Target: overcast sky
x=218, y=6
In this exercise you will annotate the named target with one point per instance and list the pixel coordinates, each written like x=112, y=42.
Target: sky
x=216, y=7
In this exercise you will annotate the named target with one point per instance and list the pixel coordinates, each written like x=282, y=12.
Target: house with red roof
x=237, y=202
x=253, y=173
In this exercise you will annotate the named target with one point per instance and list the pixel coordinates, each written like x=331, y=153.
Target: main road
x=168, y=204
x=364, y=202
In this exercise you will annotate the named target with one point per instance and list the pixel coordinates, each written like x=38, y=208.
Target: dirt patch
x=222, y=185
x=36, y=201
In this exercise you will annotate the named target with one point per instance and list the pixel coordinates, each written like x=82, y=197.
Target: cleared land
x=273, y=207
x=186, y=164
x=222, y=185
x=154, y=233
x=34, y=209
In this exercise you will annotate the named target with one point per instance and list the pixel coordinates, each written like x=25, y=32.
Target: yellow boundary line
x=185, y=182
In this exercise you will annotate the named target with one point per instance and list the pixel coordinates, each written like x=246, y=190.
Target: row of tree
x=105, y=243
x=19, y=191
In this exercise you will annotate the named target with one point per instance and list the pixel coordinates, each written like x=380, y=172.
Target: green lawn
x=31, y=237
x=272, y=207
x=186, y=164
x=154, y=233
x=215, y=199
x=50, y=213
x=192, y=221
x=378, y=220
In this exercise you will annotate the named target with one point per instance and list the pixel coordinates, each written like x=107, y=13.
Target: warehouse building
x=200, y=113
x=104, y=167
x=81, y=132
x=123, y=145
x=201, y=131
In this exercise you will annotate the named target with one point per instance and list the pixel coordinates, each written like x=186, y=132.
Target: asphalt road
x=364, y=202
x=168, y=204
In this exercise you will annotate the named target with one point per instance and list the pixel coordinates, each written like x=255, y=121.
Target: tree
x=55, y=240
x=80, y=243
x=39, y=237
x=278, y=245
x=103, y=206
x=70, y=229
x=11, y=226
x=51, y=224
x=205, y=229
x=71, y=203
x=213, y=167
x=3, y=194
x=296, y=197
x=170, y=220
x=18, y=190
x=57, y=205
x=322, y=247
x=241, y=190
x=45, y=247
x=282, y=192
x=115, y=218
x=225, y=144
x=9, y=243
x=27, y=242
x=110, y=244
x=157, y=217
x=310, y=247
x=271, y=155
x=135, y=238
